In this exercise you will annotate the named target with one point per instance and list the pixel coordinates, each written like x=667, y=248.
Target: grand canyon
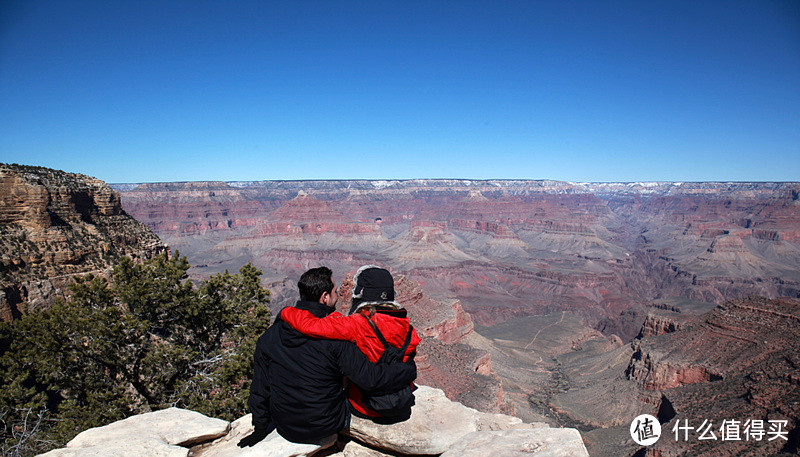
x=578, y=304
x=575, y=304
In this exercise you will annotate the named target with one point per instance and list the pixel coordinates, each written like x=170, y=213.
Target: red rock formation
x=460, y=371
x=305, y=208
x=739, y=362
x=447, y=322
x=653, y=373
x=493, y=228
x=665, y=317
x=581, y=224
x=729, y=243
x=194, y=208
x=655, y=325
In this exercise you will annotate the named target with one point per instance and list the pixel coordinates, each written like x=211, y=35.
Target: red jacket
x=355, y=328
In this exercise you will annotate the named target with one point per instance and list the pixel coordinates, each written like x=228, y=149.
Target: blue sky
x=143, y=91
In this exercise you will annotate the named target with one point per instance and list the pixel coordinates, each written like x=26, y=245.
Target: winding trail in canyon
x=546, y=326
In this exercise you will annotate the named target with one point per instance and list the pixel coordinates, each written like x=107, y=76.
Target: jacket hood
x=291, y=337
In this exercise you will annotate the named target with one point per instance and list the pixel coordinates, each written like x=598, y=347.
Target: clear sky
x=143, y=91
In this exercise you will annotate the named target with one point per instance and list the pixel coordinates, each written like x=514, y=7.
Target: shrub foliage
x=146, y=339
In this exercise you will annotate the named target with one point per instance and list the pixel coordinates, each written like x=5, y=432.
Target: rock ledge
x=437, y=426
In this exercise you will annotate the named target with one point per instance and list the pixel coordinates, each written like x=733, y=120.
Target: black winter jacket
x=298, y=380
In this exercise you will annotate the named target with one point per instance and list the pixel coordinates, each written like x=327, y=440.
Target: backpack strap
x=377, y=332
x=383, y=340
x=408, y=339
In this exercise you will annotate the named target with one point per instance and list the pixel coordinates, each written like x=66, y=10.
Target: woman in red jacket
x=379, y=326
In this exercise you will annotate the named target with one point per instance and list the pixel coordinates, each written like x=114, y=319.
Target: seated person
x=375, y=321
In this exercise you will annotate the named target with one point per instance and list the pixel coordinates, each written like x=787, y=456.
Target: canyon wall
x=504, y=249
x=54, y=225
x=512, y=282
x=738, y=362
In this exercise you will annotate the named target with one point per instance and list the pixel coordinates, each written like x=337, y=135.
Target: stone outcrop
x=737, y=362
x=670, y=316
x=169, y=432
x=545, y=442
x=445, y=321
x=437, y=426
x=650, y=369
x=54, y=225
x=733, y=336
x=658, y=325
x=273, y=445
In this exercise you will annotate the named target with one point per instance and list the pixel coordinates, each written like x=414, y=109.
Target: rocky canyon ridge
x=502, y=248
x=54, y=225
x=546, y=299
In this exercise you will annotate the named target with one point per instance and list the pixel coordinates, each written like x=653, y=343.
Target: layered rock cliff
x=54, y=225
x=738, y=362
x=504, y=249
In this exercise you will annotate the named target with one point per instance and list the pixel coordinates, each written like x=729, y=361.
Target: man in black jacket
x=298, y=381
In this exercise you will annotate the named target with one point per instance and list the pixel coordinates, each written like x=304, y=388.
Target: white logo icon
x=645, y=430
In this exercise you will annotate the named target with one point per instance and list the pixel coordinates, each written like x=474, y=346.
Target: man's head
x=373, y=286
x=317, y=285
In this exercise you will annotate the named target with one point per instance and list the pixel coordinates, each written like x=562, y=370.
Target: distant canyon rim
x=504, y=249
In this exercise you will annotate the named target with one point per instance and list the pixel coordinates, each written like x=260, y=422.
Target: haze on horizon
x=572, y=91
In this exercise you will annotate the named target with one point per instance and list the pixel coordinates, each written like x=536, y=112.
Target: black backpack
x=396, y=403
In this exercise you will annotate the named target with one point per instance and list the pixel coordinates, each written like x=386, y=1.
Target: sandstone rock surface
x=54, y=225
x=145, y=447
x=739, y=361
x=273, y=445
x=168, y=432
x=354, y=449
x=541, y=442
x=437, y=426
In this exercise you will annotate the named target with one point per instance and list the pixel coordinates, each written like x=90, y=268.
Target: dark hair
x=314, y=283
